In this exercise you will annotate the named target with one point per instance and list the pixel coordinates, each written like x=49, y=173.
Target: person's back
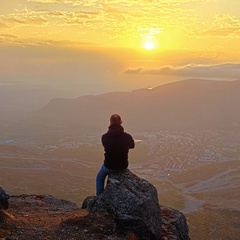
x=116, y=145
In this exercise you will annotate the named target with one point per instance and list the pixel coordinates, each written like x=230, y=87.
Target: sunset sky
x=91, y=47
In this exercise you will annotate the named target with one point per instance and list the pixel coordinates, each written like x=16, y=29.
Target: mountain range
x=184, y=105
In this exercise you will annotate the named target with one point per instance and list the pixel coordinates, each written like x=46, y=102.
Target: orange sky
x=98, y=46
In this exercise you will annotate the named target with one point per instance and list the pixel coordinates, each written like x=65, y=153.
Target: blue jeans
x=100, y=179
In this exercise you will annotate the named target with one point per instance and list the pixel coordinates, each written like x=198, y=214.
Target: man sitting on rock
x=116, y=145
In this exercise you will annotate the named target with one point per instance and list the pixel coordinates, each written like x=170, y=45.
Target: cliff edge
x=127, y=209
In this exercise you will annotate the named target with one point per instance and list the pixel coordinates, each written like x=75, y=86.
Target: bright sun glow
x=149, y=45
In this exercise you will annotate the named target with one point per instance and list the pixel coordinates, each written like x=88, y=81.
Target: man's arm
x=131, y=142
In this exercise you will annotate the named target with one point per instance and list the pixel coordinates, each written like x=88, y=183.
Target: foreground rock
x=3, y=199
x=133, y=202
x=45, y=217
x=174, y=224
x=3, y=204
x=42, y=217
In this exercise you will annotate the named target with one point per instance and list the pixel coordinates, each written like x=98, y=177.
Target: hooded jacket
x=116, y=145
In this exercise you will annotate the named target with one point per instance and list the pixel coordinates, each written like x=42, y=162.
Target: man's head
x=115, y=119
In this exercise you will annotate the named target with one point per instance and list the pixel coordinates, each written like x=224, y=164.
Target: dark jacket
x=116, y=145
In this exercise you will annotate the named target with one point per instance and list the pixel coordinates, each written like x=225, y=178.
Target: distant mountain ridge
x=183, y=105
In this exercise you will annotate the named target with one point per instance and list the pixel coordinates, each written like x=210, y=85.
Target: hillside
x=184, y=105
x=212, y=191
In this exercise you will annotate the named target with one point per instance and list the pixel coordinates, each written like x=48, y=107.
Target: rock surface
x=45, y=217
x=3, y=199
x=174, y=224
x=133, y=202
x=42, y=217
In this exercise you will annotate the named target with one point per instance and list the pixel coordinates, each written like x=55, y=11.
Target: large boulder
x=133, y=202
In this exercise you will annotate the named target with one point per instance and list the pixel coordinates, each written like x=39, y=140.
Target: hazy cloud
x=223, y=25
x=134, y=70
x=192, y=70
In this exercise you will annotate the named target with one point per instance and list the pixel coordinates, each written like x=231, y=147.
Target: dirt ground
x=44, y=217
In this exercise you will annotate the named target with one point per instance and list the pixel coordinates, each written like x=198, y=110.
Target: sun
x=149, y=45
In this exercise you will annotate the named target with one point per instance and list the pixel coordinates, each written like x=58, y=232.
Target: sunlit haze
x=170, y=68
x=91, y=47
x=149, y=45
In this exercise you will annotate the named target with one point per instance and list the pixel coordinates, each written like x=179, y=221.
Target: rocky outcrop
x=174, y=224
x=133, y=203
x=41, y=217
x=128, y=209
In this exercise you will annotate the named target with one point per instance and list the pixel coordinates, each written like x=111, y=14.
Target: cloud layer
x=89, y=43
x=220, y=71
x=122, y=20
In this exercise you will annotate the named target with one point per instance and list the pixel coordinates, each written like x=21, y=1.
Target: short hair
x=115, y=119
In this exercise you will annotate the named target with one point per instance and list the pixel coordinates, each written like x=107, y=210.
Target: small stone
x=3, y=199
